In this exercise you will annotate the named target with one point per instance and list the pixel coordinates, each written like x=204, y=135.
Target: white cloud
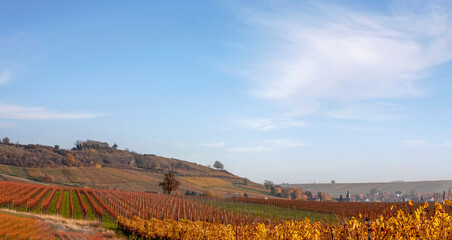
x=414, y=143
x=267, y=124
x=5, y=77
x=215, y=144
x=270, y=145
x=320, y=54
x=38, y=113
x=375, y=111
x=447, y=143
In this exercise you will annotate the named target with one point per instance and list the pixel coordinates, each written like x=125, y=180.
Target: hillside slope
x=95, y=164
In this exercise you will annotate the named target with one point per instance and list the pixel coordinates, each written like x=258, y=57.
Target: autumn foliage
x=163, y=216
x=402, y=225
x=13, y=227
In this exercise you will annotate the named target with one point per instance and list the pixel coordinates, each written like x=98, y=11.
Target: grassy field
x=65, y=208
x=78, y=212
x=207, y=181
x=52, y=208
x=270, y=211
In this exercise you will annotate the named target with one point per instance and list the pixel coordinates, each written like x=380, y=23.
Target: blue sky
x=290, y=91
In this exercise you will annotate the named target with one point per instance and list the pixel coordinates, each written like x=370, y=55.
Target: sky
x=288, y=91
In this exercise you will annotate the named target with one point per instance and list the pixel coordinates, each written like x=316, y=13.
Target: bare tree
x=218, y=165
x=170, y=183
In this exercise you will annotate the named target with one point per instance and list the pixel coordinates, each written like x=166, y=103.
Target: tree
x=276, y=191
x=115, y=146
x=209, y=193
x=308, y=194
x=296, y=194
x=373, y=190
x=268, y=184
x=245, y=181
x=170, y=183
x=48, y=178
x=6, y=140
x=70, y=160
x=218, y=165
x=333, y=182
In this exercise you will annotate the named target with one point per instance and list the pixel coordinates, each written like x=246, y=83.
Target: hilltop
x=96, y=164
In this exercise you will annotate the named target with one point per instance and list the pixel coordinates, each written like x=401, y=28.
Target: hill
x=96, y=164
x=422, y=187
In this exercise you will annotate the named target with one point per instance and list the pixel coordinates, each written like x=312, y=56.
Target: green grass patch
x=65, y=210
x=4, y=169
x=271, y=211
x=90, y=214
x=252, y=190
x=37, y=208
x=78, y=212
x=52, y=207
x=108, y=223
x=19, y=172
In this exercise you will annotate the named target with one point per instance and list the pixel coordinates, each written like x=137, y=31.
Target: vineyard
x=401, y=226
x=151, y=215
x=14, y=227
x=23, y=228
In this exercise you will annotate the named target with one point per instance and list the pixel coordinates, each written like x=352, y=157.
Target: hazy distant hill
x=95, y=164
x=422, y=187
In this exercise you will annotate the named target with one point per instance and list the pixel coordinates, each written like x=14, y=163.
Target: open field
x=272, y=211
x=422, y=187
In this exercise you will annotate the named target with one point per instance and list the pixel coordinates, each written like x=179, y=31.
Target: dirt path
x=17, y=179
x=67, y=225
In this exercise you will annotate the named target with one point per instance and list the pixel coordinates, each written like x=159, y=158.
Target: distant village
x=374, y=195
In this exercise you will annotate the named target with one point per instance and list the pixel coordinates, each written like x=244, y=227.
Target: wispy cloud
x=328, y=54
x=447, y=143
x=414, y=143
x=269, y=145
x=215, y=144
x=39, y=113
x=358, y=128
x=268, y=124
x=5, y=77
x=374, y=111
